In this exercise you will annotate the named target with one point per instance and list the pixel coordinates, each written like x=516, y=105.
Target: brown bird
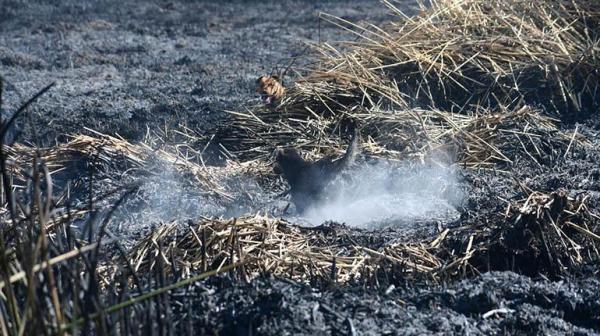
x=270, y=89
x=307, y=179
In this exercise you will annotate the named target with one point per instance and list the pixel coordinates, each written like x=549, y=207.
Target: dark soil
x=126, y=67
x=491, y=304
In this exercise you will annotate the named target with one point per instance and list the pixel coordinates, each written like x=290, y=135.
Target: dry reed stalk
x=544, y=233
x=273, y=246
x=556, y=222
x=471, y=68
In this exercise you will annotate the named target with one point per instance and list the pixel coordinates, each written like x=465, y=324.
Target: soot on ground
x=127, y=67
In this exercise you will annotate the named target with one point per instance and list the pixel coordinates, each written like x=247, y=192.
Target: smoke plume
x=386, y=194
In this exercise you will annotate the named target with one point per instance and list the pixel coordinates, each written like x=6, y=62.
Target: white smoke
x=370, y=195
x=164, y=196
x=389, y=194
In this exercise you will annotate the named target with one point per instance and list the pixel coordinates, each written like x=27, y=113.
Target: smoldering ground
x=369, y=195
x=158, y=64
x=390, y=194
x=166, y=194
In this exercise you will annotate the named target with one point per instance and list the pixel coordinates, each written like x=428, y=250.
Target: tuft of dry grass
x=550, y=233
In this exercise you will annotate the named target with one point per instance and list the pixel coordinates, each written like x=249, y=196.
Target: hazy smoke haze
x=375, y=195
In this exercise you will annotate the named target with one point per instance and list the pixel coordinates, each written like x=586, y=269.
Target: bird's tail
x=353, y=148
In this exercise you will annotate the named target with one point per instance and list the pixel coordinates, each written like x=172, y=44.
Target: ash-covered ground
x=122, y=67
x=129, y=67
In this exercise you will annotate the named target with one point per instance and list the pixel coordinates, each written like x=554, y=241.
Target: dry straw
x=268, y=245
x=460, y=75
x=483, y=78
x=547, y=233
x=554, y=226
x=445, y=76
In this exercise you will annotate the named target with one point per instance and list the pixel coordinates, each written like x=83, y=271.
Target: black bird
x=308, y=179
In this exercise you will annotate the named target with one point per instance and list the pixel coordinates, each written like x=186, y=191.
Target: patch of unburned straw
x=460, y=53
x=266, y=245
x=545, y=233
x=465, y=73
x=480, y=139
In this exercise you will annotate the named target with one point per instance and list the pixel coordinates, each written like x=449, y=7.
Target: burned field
x=142, y=194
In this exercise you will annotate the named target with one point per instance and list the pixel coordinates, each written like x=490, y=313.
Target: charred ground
x=129, y=67
x=121, y=67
